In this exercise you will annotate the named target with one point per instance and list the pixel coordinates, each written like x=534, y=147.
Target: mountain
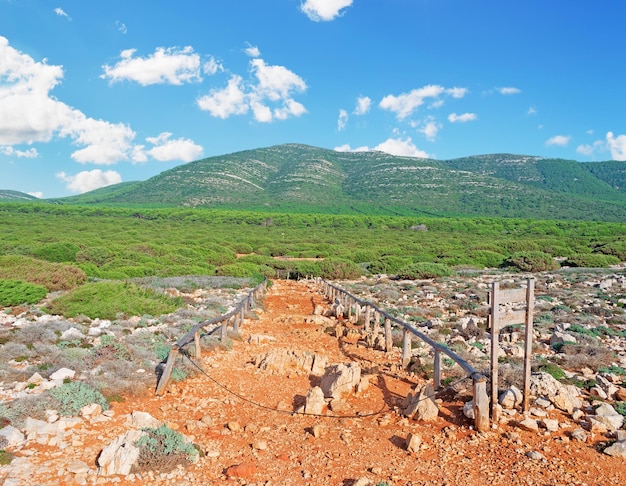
x=15, y=196
x=300, y=178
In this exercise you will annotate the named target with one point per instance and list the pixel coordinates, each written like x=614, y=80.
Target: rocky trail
x=240, y=413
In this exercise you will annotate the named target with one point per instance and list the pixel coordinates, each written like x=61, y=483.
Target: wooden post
x=388, y=338
x=243, y=316
x=357, y=312
x=235, y=324
x=376, y=323
x=528, y=341
x=196, y=341
x=167, y=372
x=368, y=312
x=349, y=304
x=437, y=370
x=481, y=405
x=224, y=331
x=495, y=338
x=406, y=348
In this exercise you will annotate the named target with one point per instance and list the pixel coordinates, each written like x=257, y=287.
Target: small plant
x=5, y=457
x=71, y=397
x=620, y=407
x=163, y=449
x=553, y=370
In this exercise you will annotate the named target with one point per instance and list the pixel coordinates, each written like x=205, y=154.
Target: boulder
x=12, y=436
x=562, y=397
x=529, y=424
x=120, y=455
x=282, y=361
x=340, y=380
x=314, y=401
x=511, y=398
x=618, y=449
x=422, y=405
x=607, y=415
x=62, y=374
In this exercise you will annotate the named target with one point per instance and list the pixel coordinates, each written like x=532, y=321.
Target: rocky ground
x=240, y=411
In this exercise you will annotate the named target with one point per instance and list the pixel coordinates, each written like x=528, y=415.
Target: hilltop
x=300, y=178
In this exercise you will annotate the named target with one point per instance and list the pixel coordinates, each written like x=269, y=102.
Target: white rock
x=12, y=435
x=413, y=442
x=142, y=420
x=511, y=397
x=617, y=450
x=340, y=380
x=120, y=455
x=314, y=401
x=62, y=374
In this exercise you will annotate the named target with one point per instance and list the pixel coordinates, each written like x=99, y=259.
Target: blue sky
x=95, y=93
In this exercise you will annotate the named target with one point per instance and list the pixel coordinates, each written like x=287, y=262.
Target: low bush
x=53, y=276
x=107, y=300
x=591, y=260
x=424, y=270
x=15, y=292
x=532, y=261
x=69, y=398
x=162, y=449
x=58, y=252
x=389, y=264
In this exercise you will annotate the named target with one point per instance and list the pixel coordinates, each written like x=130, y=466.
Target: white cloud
x=170, y=65
x=558, y=140
x=166, y=150
x=274, y=85
x=405, y=104
x=324, y=10
x=363, y=105
x=29, y=113
x=30, y=153
x=508, y=90
x=37, y=194
x=212, y=66
x=617, y=146
x=121, y=26
x=393, y=146
x=342, y=120
x=253, y=51
x=226, y=102
x=457, y=92
x=465, y=117
x=589, y=150
x=532, y=111
x=89, y=180
x=61, y=13
x=430, y=129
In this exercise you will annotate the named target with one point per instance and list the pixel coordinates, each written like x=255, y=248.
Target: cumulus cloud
x=394, y=146
x=253, y=51
x=61, y=13
x=342, y=120
x=405, y=104
x=324, y=10
x=29, y=113
x=508, y=90
x=269, y=96
x=463, y=118
x=89, y=180
x=363, y=105
x=30, y=153
x=430, y=129
x=166, y=149
x=617, y=146
x=558, y=140
x=171, y=65
x=588, y=150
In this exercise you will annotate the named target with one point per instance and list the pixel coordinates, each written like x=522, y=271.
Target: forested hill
x=300, y=178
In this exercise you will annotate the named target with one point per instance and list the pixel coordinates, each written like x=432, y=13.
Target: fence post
x=406, y=348
x=495, y=339
x=368, y=312
x=224, y=331
x=236, y=324
x=357, y=312
x=528, y=341
x=376, y=323
x=167, y=372
x=481, y=404
x=437, y=370
x=388, y=337
x=196, y=341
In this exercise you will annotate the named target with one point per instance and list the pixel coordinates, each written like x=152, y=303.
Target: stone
x=534, y=455
x=283, y=361
x=233, y=426
x=318, y=431
x=340, y=380
x=315, y=402
x=620, y=395
x=579, y=435
x=142, y=420
x=511, y=398
x=550, y=424
x=413, y=442
x=78, y=467
x=561, y=337
x=422, y=405
x=260, y=339
x=12, y=435
x=242, y=471
x=529, y=424
x=91, y=410
x=468, y=409
x=563, y=397
x=71, y=334
x=362, y=482
x=606, y=414
x=259, y=445
x=35, y=379
x=618, y=449
x=120, y=455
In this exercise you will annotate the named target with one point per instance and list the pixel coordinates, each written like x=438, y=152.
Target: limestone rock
x=511, y=397
x=413, y=442
x=340, y=380
x=282, y=361
x=12, y=436
x=422, y=406
x=468, y=409
x=617, y=450
x=579, y=435
x=142, y=420
x=314, y=401
x=606, y=414
x=529, y=424
x=563, y=397
x=260, y=339
x=120, y=455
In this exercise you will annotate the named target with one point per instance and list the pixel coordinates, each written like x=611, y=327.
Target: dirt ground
x=247, y=441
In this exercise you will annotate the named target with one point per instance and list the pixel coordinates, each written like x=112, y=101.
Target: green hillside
x=16, y=196
x=302, y=179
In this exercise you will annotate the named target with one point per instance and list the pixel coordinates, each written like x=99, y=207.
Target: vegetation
x=70, y=397
x=15, y=292
x=425, y=270
x=162, y=449
x=53, y=276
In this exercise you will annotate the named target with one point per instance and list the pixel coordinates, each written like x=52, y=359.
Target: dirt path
x=248, y=442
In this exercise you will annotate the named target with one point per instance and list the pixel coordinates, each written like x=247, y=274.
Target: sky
x=94, y=93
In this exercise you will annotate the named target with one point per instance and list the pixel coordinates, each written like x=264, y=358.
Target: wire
x=295, y=412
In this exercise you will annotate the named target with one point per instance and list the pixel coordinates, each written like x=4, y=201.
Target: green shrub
x=239, y=269
x=71, y=397
x=389, y=264
x=54, y=276
x=532, y=261
x=553, y=370
x=615, y=248
x=15, y=292
x=162, y=449
x=58, y=252
x=487, y=258
x=334, y=268
x=106, y=300
x=620, y=407
x=424, y=270
x=591, y=260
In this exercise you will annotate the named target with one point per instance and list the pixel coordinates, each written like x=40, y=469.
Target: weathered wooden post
x=495, y=338
x=357, y=312
x=224, y=331
x=235, y=319
x=388, y=337
x=437, y=370
x=481, y=404
x=368, y=312
x=528, y=341
x=242, y=317
x=376, y=323
x=406, y=347
x=167, y=372
x=196, y=341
